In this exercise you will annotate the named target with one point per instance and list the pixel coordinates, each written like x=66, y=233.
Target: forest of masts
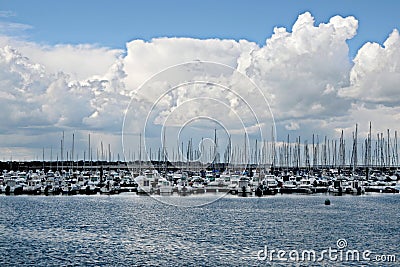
x=376, y=150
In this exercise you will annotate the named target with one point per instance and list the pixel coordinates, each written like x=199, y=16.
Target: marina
x=269, y=168
x=116, y=178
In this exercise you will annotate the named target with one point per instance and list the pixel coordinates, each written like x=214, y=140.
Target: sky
x=114, y=23
x=81, y=66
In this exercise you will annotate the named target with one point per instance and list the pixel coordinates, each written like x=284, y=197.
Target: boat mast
x=72, y=152
x=51, y=156
x=369, y=146
x=109, y=152
x=165, y=155
x=62, y=151
x=355, y=150
x=140, y=153
x=273, y=147
x=388, y=149
x=396, y=155
x=245, y=151
x=215, y=151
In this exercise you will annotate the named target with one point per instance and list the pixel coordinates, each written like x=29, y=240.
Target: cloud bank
x=305, y=73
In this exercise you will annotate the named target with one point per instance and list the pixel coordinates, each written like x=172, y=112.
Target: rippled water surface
x=135, y=231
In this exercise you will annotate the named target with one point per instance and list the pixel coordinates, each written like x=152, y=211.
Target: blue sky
x=112, y=23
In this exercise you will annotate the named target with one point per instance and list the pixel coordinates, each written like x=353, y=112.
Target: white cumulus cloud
x=305, y=73
x=375, y=76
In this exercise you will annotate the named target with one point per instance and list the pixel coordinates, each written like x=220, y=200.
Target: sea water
x=130, y=230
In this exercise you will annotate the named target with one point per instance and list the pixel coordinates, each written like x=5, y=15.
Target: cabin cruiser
x=110, y=187
x=244, y=188
x=220, y=182
x=305, y=185
x=34, y=186
x=197, y=182
x=144, y=185
x=234, y=184
x=290, y=184
x=268, y=186
x=164, y=187
x=183, y=187
x=14, y=185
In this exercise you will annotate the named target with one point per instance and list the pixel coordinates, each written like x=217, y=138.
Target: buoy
x=327, y=202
